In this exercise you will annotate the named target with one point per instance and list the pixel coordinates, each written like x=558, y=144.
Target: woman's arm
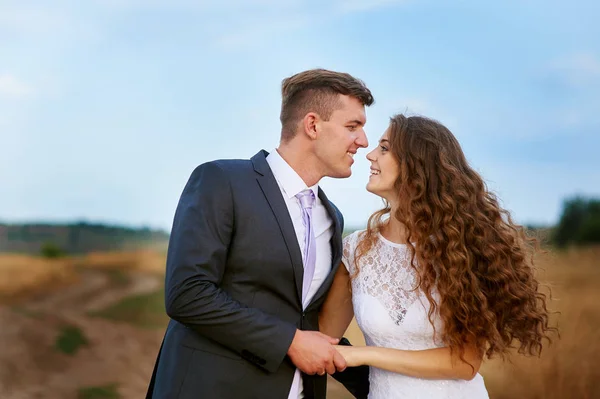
x=337, y=312
x=437, y=363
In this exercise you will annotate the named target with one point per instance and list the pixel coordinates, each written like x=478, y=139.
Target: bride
x=440, y=278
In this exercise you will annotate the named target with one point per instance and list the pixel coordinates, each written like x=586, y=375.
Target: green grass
x=104, y=392
x=70, y=340
x=146, y=310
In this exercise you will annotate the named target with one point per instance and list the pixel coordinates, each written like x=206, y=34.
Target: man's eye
x=352, y=127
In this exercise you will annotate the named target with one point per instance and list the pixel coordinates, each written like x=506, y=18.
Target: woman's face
x=384, y=170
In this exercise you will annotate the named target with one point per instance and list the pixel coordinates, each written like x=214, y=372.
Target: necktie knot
x=306, y=198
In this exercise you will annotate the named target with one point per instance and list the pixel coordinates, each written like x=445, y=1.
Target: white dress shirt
x=290, y=184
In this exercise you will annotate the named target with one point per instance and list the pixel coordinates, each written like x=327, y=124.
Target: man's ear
x=311, y=125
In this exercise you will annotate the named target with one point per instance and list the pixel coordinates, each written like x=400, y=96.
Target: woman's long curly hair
x=463, y=245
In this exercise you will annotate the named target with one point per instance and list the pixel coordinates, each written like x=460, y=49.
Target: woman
x=440, y=278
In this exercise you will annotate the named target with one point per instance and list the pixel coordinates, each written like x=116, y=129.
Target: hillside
x=78, y=238
x=93, y=330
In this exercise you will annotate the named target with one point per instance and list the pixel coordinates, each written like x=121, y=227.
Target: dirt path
x=118, y=353
x=141, y=283
x=115, y=353
x=94, y=291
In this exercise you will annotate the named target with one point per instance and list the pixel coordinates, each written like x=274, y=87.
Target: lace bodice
x=391, y=313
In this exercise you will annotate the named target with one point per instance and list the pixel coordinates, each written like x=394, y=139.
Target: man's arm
x=196, y=260
x=197, y=255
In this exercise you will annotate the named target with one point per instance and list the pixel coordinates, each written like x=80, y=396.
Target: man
x=253, y=251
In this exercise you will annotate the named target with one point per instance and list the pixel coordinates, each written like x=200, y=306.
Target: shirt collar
x=286, y=176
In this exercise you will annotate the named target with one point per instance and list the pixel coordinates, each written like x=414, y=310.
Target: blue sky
x=106, y=106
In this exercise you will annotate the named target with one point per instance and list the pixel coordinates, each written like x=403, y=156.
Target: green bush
x=51, y=251
x=104, y=392
x=579, y=223
x=70, y=339
x=589, y=233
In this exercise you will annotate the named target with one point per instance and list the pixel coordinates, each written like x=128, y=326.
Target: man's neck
x=301, y=163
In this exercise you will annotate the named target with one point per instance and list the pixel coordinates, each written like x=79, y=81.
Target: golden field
x=567, y=368
x=20, y=274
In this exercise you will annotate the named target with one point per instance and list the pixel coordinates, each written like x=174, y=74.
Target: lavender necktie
x=307, y=200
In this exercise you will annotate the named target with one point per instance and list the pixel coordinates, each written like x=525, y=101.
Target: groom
x=253, y=251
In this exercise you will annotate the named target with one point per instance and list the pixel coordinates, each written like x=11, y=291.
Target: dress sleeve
x=349, y=246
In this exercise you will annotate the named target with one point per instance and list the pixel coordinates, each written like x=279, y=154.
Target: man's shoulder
x=235, y=165
x=227, y=166
x=335, y=208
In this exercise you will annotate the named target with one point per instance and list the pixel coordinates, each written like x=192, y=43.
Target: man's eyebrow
x=356, y=122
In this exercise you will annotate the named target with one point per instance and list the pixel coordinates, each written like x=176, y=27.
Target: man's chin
x=341, y=174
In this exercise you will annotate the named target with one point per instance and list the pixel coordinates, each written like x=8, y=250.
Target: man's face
x=340, y=137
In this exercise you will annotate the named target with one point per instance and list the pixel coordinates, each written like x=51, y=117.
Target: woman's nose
x=371, y=156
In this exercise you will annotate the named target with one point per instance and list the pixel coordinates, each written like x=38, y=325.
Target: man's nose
x=362, y=140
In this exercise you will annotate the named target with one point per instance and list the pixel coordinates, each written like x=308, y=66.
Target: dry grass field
x=21, y=274
x=110, y=306
x=569, y=367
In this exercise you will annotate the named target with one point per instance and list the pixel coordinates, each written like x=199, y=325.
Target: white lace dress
x=392, y=315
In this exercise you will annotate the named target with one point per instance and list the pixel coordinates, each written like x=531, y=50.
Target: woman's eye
x=383, y=149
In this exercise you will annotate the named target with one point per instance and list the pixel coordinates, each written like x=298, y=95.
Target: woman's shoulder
x=350, y=243
x=353, y=237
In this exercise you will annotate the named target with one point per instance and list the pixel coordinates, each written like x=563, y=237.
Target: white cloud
x=305, y=6
x=348, y=6
x=423, y=106
x=255, y=32
x=261, y=19
x=579, y=69
x=13, y=87
x=251, y=21
x=237, y=5
x=33, y=20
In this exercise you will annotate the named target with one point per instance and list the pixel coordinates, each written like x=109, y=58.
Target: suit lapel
x=336, y=247
x=272, y=193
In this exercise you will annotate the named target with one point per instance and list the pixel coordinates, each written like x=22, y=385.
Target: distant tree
x=51, y=251
x=579, y=223
x=589, y=233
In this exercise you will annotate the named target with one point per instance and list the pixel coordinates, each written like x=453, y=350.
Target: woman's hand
x=353, y=355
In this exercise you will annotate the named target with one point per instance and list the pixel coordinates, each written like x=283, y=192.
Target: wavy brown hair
x=463, y=245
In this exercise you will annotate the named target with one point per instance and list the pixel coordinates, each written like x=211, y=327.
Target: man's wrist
x=291, y=348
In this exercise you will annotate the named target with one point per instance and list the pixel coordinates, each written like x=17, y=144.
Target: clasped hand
x=314, y=353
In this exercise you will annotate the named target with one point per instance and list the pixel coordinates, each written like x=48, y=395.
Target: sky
x=106, y=106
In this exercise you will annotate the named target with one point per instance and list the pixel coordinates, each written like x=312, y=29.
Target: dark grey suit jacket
x=234, y=286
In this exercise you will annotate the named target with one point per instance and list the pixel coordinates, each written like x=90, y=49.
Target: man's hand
x=313, y=353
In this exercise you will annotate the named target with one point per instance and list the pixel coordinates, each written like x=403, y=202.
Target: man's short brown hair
x=317, y=90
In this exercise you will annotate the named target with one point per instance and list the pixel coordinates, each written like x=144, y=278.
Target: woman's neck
x=394, y=230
